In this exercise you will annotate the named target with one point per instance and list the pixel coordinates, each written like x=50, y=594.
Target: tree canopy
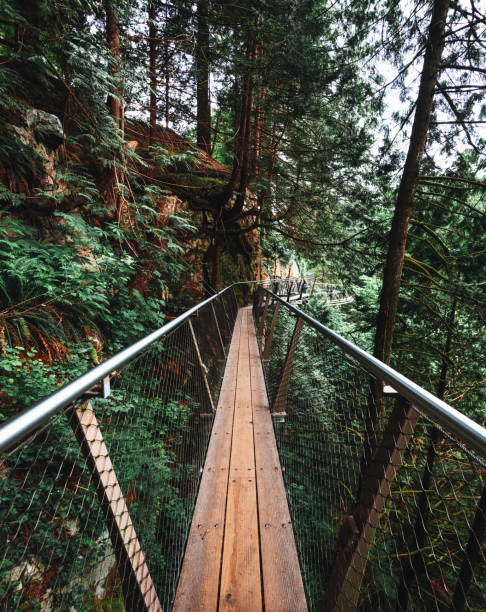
x=151, y=150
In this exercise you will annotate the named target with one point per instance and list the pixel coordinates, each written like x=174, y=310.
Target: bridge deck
x=241, y=552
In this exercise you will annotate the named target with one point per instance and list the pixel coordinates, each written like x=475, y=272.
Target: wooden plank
x=240, y=573
x=233, y=560
x=282, y=581
x=199, y=579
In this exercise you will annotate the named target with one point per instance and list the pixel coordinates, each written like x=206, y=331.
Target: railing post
x=261, y=322
x=202, y=367
x=358, y=529
x=138, y=589
x=280, y=400
x=220, y=337
x=226, y=315
x=471, y=556
x=269, y=335
x=258, y=305
x=235, y=300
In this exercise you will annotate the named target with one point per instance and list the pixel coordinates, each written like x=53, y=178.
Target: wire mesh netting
x=403, y=531
x=95, y=508
x=429, y=550
x=97, y=505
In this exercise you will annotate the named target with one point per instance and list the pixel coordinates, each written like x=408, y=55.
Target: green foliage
x=89, y=254
x=275, y=247
x=25, y=378
x=49, y=293
x=53, y=522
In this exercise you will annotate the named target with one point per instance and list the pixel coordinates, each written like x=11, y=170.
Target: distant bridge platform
x=241, y=553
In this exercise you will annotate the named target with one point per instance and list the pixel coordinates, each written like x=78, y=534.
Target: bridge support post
x=258, y=298
x=358, y=529
x=269, y=335
x=138, y=589
x=202, y=367
x=235, y=305
x=280, y=400
x=261, y=322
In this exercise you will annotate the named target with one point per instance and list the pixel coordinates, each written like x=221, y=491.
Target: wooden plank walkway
x=241, y=552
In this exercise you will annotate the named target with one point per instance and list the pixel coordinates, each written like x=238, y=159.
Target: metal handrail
x=21, y=425
x=446, y=416
x=27, y=421
x=467, y=430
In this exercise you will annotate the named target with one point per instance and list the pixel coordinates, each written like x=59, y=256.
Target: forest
x=153, y=152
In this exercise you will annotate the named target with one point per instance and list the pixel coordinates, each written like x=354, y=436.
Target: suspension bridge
x=246, y=457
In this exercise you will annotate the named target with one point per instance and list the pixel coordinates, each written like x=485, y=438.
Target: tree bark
x=259, y=118
x=152, y=14
x=241, y=167
x=203, y=130
x=167, y=83
x=241, y=156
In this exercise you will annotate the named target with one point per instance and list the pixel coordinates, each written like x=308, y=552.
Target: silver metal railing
x=467, y=430
x=21, y=425
x=164, y=374
x=385, y=482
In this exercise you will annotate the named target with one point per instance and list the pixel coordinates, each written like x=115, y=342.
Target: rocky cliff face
x=38, y=134
x=52, y=185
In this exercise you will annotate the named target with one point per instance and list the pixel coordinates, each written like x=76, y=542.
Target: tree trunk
x=408, y=184
x=246, y=138
x=241, y=162
x=203, y=131
x=167, y=83
x=113, y=41
x=113, y=198
x=240, y=173
x=397, y=241
x=152, y=14
x=258, y=121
